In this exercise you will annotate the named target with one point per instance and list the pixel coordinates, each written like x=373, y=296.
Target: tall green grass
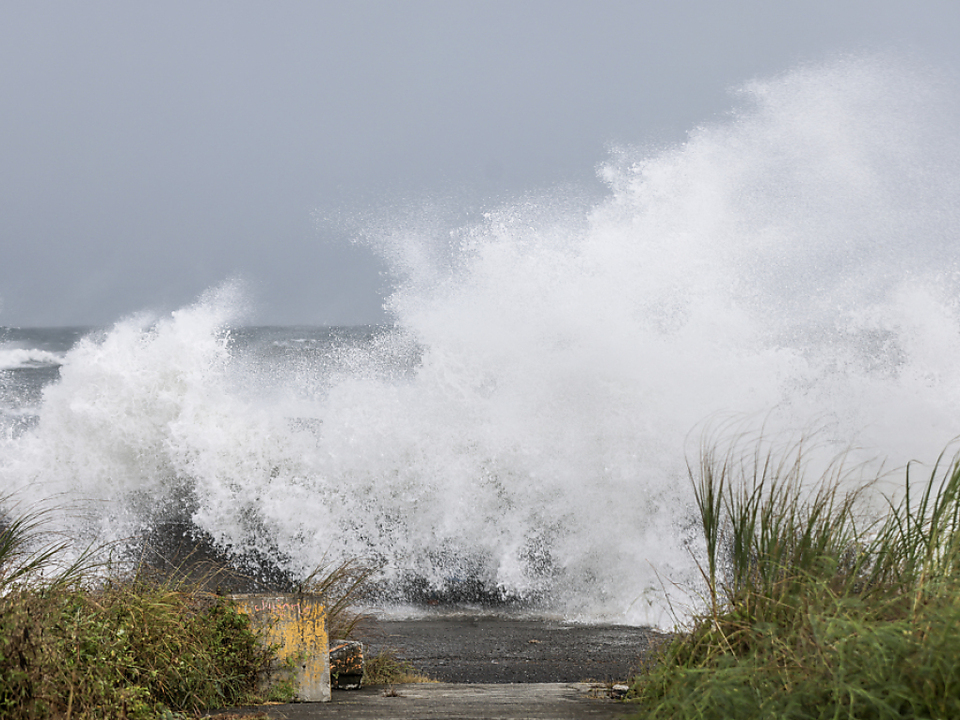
x=341, y=586
x=815, y=608
x=28, y=554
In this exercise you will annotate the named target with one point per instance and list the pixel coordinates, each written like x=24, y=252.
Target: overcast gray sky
x=151, y=150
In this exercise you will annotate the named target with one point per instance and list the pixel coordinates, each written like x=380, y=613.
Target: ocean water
x=520, y=432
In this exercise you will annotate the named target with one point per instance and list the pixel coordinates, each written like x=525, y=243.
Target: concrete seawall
x=295, y=625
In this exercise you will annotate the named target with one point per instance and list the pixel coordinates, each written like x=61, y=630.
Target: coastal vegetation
x=84, y=641
x=385, y=668
x=76, y=644
x=816, y=605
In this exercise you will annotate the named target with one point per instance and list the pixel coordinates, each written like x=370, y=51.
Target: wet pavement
x=529, y=701
x=493, y=649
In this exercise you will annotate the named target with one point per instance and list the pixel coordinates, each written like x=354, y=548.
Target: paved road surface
x=496, y=650
x=530, y=701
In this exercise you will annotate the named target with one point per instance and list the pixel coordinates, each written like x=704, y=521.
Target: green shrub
x=138, y=648
x=133, y=650
x=73, y=644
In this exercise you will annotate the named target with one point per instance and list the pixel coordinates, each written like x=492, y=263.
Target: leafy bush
x=139, y=648
x=133, y=650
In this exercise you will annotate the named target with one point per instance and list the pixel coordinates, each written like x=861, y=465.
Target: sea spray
x=519, y=434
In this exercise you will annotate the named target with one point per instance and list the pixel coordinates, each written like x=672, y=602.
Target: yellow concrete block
x=296, y=625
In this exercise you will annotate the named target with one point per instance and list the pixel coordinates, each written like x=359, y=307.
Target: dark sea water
x=520, y=433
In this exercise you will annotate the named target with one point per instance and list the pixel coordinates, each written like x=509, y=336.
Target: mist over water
x=522, y=429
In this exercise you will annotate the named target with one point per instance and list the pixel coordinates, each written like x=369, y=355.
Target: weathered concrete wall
x=296, y=624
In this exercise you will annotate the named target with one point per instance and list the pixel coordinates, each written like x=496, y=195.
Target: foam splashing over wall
x=522, y=429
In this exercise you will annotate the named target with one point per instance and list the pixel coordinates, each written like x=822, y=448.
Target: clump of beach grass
x=340, y=586
x=815, y=609
x=385, y=668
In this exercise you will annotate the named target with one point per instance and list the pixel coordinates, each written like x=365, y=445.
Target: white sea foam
x=17, y=358
x=524, y=426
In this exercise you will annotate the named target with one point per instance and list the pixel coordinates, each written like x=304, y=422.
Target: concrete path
x=527, y=701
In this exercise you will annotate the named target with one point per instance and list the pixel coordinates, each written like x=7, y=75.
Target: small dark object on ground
x=346, y=664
